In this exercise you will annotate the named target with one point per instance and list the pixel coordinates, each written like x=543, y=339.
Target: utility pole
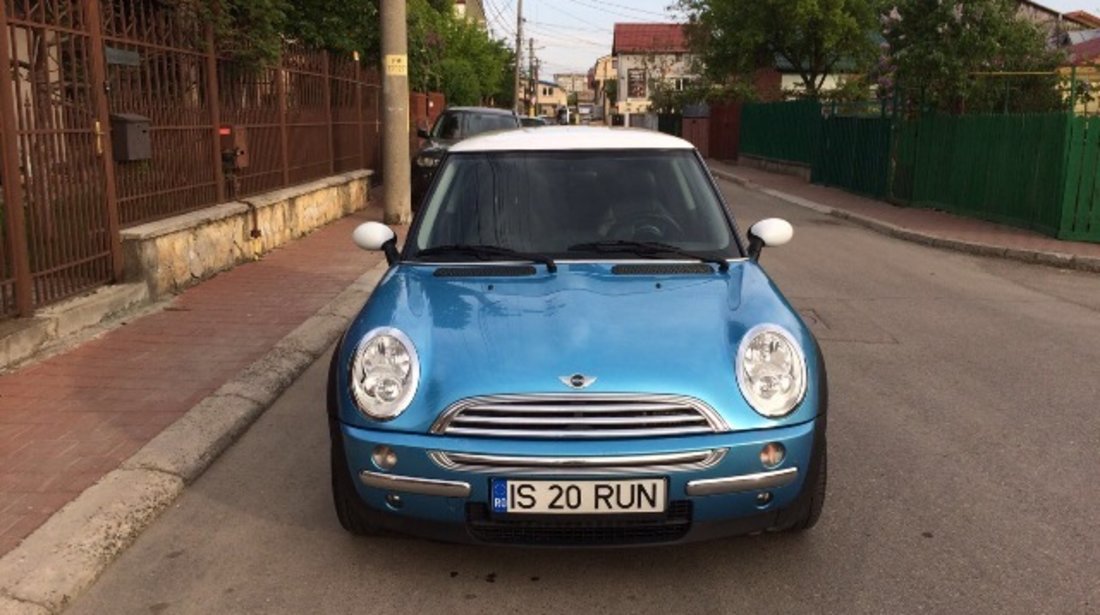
x=519, y=49
x=396, y=170
x=532, y=76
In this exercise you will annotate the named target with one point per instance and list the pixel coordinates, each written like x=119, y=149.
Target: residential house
x=473, y=10
x=791, y=83
x=544, y=99
x=603, y=80
x=649, y=54
x=1055, y=23
x=572, y=83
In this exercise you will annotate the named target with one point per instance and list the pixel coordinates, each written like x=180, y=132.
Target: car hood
x=674, y=334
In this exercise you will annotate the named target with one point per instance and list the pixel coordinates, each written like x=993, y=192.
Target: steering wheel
x=646, y=227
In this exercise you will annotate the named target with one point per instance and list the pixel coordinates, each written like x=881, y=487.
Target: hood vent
x=662, y=269
x=485, y=271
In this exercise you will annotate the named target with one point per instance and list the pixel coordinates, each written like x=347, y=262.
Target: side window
x=448, y=126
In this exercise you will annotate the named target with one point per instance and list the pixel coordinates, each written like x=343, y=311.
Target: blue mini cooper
x=575, y=347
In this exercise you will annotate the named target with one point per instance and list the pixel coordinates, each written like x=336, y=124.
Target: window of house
x=680, y=84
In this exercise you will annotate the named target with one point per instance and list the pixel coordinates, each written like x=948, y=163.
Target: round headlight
x=427, y=161
x=384, y=373
x=771, y=370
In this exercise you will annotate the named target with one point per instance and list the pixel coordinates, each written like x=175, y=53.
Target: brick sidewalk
x=925, y=221
x=67, y=421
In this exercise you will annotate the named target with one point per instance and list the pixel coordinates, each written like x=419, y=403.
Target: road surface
x=964, y=472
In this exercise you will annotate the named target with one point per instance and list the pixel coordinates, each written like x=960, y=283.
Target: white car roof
x=557, y=138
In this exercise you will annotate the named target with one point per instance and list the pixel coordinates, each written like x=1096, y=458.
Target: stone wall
x=170, y=255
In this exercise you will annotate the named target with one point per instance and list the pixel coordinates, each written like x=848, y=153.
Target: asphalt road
x=965, y=464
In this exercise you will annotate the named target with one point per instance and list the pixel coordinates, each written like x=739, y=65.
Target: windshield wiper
x=484, y=252
x=647, y=248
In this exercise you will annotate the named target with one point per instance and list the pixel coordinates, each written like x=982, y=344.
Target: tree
x=948, y=55
x=254, y=32
x=338, y=25
x=736, y=37
x=455, y=56
x=249, y=31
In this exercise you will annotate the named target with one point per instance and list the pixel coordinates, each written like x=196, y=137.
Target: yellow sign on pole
x=397, y=65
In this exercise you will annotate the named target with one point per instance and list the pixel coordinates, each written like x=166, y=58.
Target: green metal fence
x=1038, y=171
x=786, y=131
x=1080, y=211
x=854, y=154
x=1003, y=168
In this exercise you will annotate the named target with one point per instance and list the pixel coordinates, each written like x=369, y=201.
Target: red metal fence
x=82, y=68
x=725, y=130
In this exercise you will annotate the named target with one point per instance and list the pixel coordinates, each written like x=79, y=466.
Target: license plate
x=579, y=497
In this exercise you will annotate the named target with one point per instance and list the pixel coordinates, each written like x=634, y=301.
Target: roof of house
x=1084, y=53
x=557, y=138
x=649, y=38
x=1084, y=18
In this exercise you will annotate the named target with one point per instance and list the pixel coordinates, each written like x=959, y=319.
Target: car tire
x=807, y=510
x=353, y=513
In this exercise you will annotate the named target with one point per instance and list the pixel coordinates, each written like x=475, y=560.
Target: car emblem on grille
x=577, y=381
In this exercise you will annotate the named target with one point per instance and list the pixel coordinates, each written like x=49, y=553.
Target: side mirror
x=376, y=236
x=769, y=232
x=423, y=133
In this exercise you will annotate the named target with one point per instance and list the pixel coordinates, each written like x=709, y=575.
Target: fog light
x=393, y=500
x=772, y=454
x=384, y=457
x=763, y=498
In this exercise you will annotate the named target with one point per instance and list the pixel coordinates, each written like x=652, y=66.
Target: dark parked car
x=453, y=125
x=533, y=122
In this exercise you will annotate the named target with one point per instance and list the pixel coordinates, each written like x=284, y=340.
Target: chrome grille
x=503, y=465
x=579, y=416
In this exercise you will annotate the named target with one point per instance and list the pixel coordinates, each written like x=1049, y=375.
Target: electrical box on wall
x=130, y=138
x=234, y=145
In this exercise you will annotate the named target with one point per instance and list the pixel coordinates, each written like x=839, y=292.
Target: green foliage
x=339, y=25
x=666, y=99
x=249, y=31
x=938, y=51
x=816, y=37
x=253, y=32
x=456, y=57
x=446, y=53
x=611, y=86
x=855, y=89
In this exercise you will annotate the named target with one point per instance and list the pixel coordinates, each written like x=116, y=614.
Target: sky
x=571, y=34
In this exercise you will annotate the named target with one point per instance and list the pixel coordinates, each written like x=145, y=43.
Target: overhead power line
x=635, y=15
x=547, y=24
x=567, y=38
x=501, y=23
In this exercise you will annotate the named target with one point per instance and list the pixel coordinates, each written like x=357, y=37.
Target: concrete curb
x=66, y=555
x=1061, y=260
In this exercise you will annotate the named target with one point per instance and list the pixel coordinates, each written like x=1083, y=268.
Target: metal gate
x=60, y=237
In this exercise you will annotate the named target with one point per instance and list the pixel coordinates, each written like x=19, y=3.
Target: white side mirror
x=377, y=236
x=372, y=235
x=769, y=232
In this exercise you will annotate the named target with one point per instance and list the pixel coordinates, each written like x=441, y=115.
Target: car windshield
x=455, y=125
x=577, y=204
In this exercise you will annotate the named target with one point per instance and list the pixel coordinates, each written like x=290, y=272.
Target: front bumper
x=442, y=483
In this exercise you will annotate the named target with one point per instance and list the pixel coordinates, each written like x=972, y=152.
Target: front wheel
x=350, y=509
x=806, y=511
x=353, y=514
